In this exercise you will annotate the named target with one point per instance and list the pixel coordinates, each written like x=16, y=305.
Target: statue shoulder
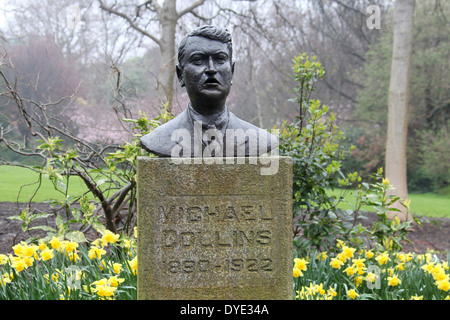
x=159, y=140
x=252, y=131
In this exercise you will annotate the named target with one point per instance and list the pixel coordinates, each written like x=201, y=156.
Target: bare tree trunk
x=168, y=17
x=397, y=131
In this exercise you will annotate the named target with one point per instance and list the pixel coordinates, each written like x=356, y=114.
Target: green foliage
x=436, y=157
x=106, y=187
x=315, y=143
x=428, y=99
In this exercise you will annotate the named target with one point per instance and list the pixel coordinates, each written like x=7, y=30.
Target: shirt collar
x=219, y=121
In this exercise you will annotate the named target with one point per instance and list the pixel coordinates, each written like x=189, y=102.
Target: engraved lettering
x=165, y=216
x=188, y=266
x=251, y=264
x=170, y=238
x=267, y=215
x=249, y=212
x=236, y=264
x=263, y=237
x=203, y=266
x=212, y=213
x=231, y=214
x=187, y=239
x=249, y=237
x=174, y=266
x=266, y=264
x=217, y=234
x=194, y=214
x=202, y=241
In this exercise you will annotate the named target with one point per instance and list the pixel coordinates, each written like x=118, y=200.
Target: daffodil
x=47, y=254
x=300, y=264
x=296, y=272
x=70, y=246
x=322, y=256
x=19, y=265
x=114, y=281
x=371, y=277
x=18, y=248
x=336, y=263
x=341, y=256
x=96, y=253
x=428, y=267
x=358, y=280
x=394, y=280
x=369, y=254
x=358, y=263
x=55, y=243
x=350, y=270
x=3, y=259
x=382, y=258
x=133, y=265
x=331, y=293
x=348, y=252
x=117, y=267
x=73, y=256
x=4, y=279
x=443, y=285
x=400, y=266
x=352, y=294
x=110, y=237
x=438, y=273
x=42, y=245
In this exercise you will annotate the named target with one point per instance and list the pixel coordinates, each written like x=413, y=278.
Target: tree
x=397, y=131
x=167, y=16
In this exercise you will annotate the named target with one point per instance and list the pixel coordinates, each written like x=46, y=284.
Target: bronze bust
x=206, y=127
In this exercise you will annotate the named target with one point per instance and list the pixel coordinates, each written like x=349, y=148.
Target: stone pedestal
x=220, y=230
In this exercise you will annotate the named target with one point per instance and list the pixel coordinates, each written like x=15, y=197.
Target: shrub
x=314, y=141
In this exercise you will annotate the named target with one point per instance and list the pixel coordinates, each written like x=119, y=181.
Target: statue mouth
x=211, y=82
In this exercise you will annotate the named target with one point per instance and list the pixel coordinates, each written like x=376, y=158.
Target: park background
x=91, y=72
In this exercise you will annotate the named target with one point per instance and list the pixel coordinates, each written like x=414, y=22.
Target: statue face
x=206, y=71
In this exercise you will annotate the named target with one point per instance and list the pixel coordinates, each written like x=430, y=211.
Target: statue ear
x=232, y=72
x=180, y=75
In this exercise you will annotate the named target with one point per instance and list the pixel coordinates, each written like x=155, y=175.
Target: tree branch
x=130, y=22
x=190, y=8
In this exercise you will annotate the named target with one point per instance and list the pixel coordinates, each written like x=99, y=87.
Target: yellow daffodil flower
x=352, y=294
x=300, y=264
x=110, y=237
x=336, y=263
x=394, y=281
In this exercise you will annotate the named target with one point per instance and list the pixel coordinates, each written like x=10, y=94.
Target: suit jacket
x=179, y=138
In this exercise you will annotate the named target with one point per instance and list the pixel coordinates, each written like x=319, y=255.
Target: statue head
x=205, y=67
x=208, y=32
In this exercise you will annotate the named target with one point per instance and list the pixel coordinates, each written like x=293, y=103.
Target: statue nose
x=211, y=67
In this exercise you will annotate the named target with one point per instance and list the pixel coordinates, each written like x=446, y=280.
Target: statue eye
x=197, y=59
x=221, y=58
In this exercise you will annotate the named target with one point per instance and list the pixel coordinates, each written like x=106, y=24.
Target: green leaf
x=44, y=228
x=76, y=236
x=40, y=216
x=76, y=214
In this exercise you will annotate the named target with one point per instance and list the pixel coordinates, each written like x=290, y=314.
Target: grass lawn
x=422, y=204
x=13, y=178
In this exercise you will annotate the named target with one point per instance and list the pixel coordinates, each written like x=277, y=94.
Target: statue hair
x=209, y=32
